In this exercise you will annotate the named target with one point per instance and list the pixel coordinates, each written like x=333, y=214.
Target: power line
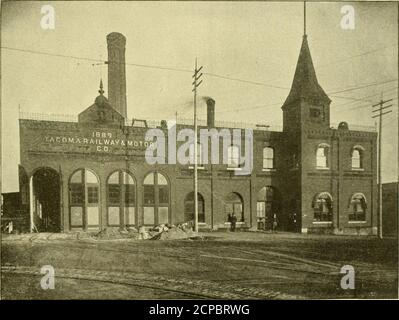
x=358, y=107
x=244, y=81
x=354, y=56
x=208, y=73
x=364, y=86
x=95, y=60
x=364, y=99
x=188, y=71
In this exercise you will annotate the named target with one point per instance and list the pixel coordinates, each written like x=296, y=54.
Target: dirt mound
x=117, y=233
x=174, y=234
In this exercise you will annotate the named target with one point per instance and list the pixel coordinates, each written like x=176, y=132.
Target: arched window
x=156, y=199
x=121, y=196
x=357, y=157
x=322, y=156
x=268, y=158
x=322, y=205
x=233, y=204
x=189, y=207
x=358, y=206
x=84, y=200
x=233, y=157
x=199, y=154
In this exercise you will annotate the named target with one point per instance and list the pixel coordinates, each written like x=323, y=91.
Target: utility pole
x=379, y=115
x=196, y=84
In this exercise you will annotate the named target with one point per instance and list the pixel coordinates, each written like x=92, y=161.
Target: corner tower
x=307, y=104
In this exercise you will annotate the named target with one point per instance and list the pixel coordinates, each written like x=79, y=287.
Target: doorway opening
x=46, y=200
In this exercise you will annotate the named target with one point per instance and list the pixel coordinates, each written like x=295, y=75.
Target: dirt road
x=240, y=265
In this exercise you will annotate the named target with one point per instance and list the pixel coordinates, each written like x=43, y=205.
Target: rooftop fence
x=152, y=123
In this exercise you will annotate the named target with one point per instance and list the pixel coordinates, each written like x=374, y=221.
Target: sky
x=255, y=42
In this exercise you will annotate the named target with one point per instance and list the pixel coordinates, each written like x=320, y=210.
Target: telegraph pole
x=379, y=115
x=196, y=84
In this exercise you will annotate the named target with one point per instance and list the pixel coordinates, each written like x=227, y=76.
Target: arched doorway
x=233, y=203
x=267, y=206
x=46, y=200
x=189, y=208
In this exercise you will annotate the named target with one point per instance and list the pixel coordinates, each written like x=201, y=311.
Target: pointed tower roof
x=305, y=84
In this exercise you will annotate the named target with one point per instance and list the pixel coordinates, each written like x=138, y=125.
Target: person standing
x=275, y=222
x=233, y=220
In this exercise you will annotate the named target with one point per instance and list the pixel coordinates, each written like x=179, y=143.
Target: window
x=77, y=193
x=233, y=204
x=233, y=157
x=149, y=194
x=156, y=199
x=268, y=158
x=114, y=194
x=357, y=157
x=121, y=194
x=322, y=205
x=358, y=207
x=92, y=194
x=84, y=200
x=130, y=195
x=322, y=156
x=314, y=113
x=199, y=154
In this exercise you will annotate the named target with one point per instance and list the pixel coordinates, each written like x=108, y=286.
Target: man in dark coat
x=233, y=220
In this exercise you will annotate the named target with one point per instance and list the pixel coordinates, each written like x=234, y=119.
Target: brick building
x=390, y=209
x=92, y=173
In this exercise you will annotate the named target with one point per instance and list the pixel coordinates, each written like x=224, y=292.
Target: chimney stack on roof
x=116, y=43
x=210, y=116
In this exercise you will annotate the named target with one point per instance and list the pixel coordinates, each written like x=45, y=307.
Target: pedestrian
x=275, y=223
x=233, y=220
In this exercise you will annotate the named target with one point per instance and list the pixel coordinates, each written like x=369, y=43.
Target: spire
x=304, y=18
x=305, y=84
x=101, y=91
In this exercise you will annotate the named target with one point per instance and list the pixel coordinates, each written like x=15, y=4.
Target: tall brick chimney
x=210, y=115
x=116, y=72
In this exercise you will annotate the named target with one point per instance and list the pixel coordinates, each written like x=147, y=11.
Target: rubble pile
x=171, y=232
x=160, y=232
x=117, y=233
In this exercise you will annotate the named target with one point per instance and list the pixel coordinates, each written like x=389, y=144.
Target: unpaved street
x=240, y=265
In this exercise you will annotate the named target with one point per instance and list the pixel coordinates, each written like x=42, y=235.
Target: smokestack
x=210, y=116
x=116, y=72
